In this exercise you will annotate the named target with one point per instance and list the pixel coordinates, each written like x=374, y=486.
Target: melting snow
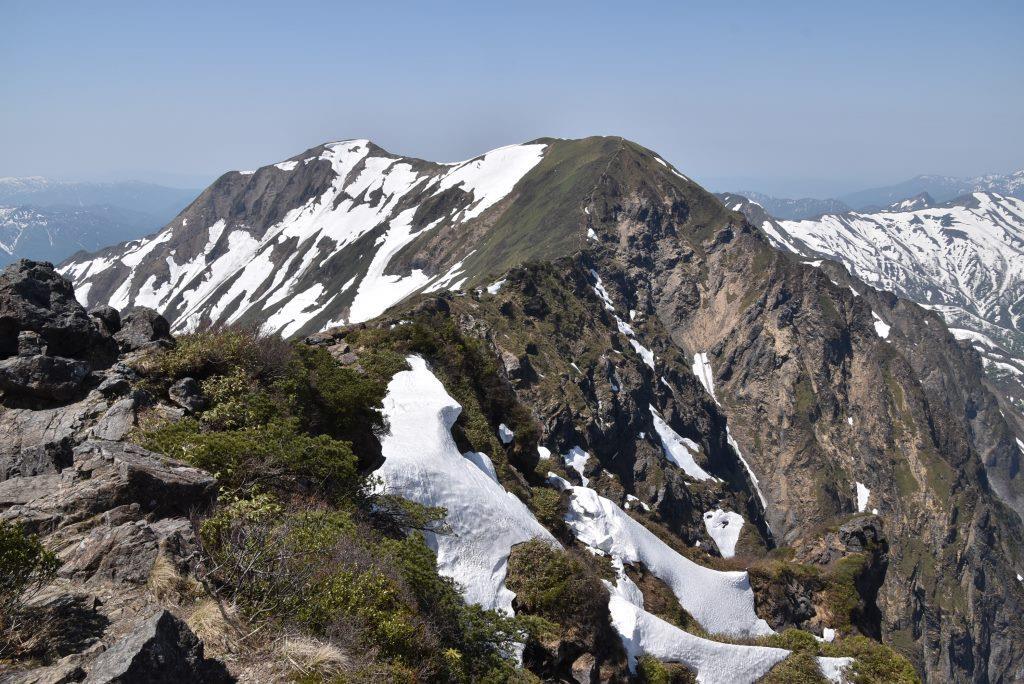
x=287, y=165
x=881, y=327
x=702, y=369
x=491, y=177
x=862, y=497
x=577, y=460
x=719, y=601
x=832, y=668
x=601, y=292
x=753, y=478
x=679, y=450
x=423, y=464
x=724, y=527
x=543, y=452
x=495, y=287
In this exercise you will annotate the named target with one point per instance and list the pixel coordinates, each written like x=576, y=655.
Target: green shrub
x=24, y=564
x=275, y=456
x=799, y=668
x=556, y=585
x=874, y=663
x=650, y=670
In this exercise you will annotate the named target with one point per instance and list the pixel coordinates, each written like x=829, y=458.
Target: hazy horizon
x=802, y=100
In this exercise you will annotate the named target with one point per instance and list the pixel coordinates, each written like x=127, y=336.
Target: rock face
x=111, y=511
x=161, y=649
x=34, y=298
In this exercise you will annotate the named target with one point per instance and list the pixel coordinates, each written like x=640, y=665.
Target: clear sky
x=786, y=97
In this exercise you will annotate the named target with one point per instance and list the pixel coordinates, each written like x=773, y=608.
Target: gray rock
x=106, y=475
x=49, y=378
x=161, y=649
x=117, y=421
x=143, y=328
x=108, y=317
x=36, y=442
x=187, y=394
x=34, y=297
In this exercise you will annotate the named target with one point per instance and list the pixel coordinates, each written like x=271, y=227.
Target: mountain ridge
x=675, y=305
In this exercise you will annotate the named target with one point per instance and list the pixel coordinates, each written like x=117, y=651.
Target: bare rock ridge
x=109, y=510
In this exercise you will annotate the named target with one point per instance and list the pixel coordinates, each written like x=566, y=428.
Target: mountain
x=161, y=202
x=573, y=335
x=55, y=233
x=963, y=259
x=42, y=218
x=942, y=188
x=806, y=207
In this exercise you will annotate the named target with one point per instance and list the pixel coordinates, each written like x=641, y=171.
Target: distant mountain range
x=926, y=188
x=47, y=219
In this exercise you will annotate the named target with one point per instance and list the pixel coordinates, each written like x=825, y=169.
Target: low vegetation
x=301, y=546
x=25, y=566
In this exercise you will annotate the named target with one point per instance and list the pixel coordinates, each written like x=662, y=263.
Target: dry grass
x=168, y=585
x=310, y=656
x=213, y=625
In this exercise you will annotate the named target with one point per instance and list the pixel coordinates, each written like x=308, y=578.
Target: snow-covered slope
x=322, y=238
x=422, y=464
x=963, y=259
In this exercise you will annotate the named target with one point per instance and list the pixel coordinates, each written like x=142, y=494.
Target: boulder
x=108, y=317
x=142, y=329
x=187, y=394
x=35, y=298
x=161, y=649
x=46, y=378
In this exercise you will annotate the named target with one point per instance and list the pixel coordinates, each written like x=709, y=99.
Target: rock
x=49, y=378
x=117, y=421
x=863, y=533
x=106, y=475
x=126, y=552
x=161, y=649
x=143, y=328
x=36, y=442
x=35, y=298
x=187, y=394
x=64, y=623
x=30, y=343
x=108, y=318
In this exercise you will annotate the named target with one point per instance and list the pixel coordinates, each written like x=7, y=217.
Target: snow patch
x=881, y=327
x=702, y=369
x=577, y=459
x=495, y=287
x=423, y=464
x=724, y=527
x=863, y=493
x=505, y=434
x=679, y=450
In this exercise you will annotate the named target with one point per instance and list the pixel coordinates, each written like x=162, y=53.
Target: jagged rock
x=126, y=552
x=36, y=442
x=108, y=317
x=187, y=394
x=863, y=533
x=50, y=378
x=143, y=328
x=160, y=649
x=106, y=475
x=33, y=297
x=117, y=421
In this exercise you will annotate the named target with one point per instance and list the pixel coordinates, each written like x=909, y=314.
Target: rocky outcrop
x=162, y=649
x=115, y=515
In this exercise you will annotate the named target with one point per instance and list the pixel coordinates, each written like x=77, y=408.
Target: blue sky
x=787, y=97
